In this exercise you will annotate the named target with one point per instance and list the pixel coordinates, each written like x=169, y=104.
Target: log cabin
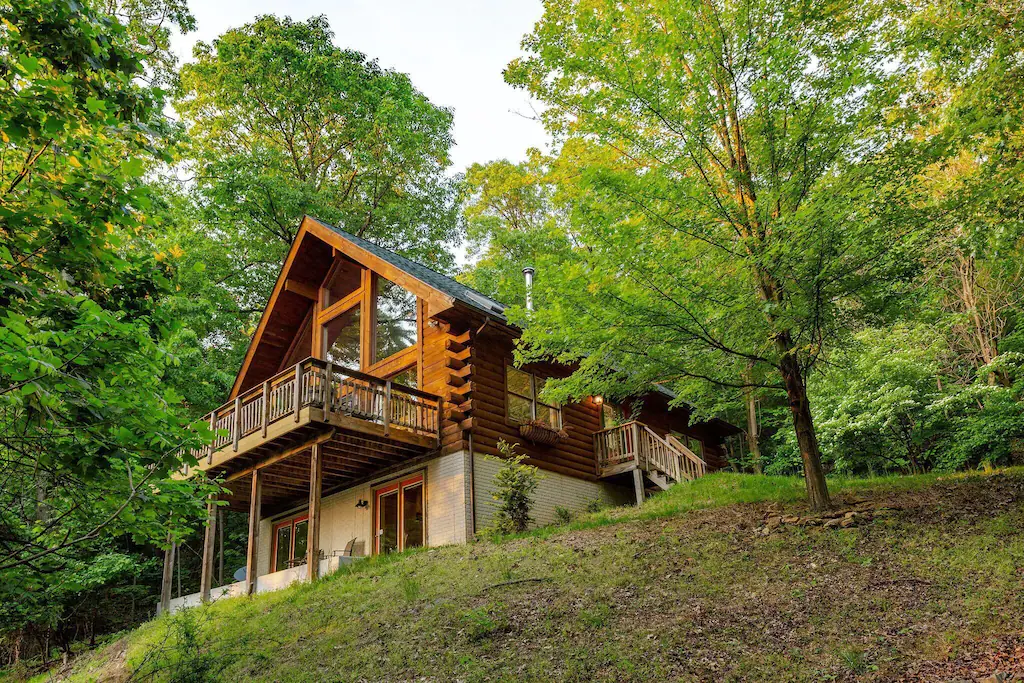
x=370, y=397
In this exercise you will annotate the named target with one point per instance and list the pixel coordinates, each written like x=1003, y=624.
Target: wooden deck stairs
x=656, y=462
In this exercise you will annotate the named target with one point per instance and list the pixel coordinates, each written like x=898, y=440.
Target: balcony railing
x=634, y=445
x=337, y=390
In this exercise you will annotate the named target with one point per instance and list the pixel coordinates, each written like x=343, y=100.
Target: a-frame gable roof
x=304, y=268
x=442, y=283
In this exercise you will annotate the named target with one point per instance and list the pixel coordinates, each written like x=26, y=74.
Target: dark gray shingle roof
x=432, y=278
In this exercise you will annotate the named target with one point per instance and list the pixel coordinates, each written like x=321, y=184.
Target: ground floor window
x=399, y=515
x=290, y=538
x=691, y=442
x=611, y=415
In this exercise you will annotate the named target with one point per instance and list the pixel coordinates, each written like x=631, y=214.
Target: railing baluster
x=337, y=390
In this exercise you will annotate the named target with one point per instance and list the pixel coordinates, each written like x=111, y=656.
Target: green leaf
x=28, y=64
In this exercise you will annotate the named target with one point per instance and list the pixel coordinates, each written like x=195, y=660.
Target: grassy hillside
x=712, y=581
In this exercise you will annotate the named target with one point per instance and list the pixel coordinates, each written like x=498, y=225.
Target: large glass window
x=387, y=511
x=523, y=392
x=341, y=339
x=396, y=320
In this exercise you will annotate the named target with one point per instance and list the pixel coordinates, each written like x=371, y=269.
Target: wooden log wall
x=447, y=368
x=573, y=456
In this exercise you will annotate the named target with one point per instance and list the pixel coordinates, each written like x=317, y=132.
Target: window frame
x=374, y=324
x=534, y=400
x=400, y=485
x=688, y=440
x=618, y=415
x=365, y=296
x=290, y=522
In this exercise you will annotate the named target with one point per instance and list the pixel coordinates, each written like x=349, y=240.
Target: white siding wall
x=553, y=490
x=447, y=502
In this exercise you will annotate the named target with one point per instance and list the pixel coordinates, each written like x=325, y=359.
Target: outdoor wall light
x=598, y=400
x=362, y=503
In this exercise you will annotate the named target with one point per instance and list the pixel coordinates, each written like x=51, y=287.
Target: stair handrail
x=645, y=447
x=673, y=467
x=699, y=464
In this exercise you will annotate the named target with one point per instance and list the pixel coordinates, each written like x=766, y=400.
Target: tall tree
x=968, y=53
x=284, y=123
x=89, y=434
x=739, y=175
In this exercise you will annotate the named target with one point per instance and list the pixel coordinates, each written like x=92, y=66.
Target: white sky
x=454, y=51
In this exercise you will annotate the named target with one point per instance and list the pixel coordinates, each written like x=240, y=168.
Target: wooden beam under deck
x=345, y=460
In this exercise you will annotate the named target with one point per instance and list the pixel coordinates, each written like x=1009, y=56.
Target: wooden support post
x=252, y=551
x=220, y=555
x=316, y=481
x=298, y=390
x=265, y=417
x=238, y=422
x=637, y=457
x=209, y=547
x=638, y=486
x=166, y=580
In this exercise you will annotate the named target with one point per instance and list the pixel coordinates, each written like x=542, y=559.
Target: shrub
x=564, y=515
x=515, y=484
x=182, y=657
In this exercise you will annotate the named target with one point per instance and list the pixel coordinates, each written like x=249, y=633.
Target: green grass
x=679, y=589
x=726, y=488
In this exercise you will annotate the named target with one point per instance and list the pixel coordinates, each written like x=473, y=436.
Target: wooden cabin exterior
x=368, y=400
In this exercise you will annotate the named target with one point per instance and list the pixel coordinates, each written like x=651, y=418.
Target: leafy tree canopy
x=89, y=433
x=283, y=123
x=740, y=182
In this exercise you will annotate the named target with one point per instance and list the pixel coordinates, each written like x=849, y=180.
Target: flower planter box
x=540, y=433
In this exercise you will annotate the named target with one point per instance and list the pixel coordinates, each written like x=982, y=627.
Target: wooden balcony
x=635, y=446
x=364, y=424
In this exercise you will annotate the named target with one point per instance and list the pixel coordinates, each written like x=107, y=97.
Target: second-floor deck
x=365, y=424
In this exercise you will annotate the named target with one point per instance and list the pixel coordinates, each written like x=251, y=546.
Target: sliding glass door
x=399, y=516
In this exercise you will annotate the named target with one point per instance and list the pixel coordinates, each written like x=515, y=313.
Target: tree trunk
x=752, y=430
x=800, y=407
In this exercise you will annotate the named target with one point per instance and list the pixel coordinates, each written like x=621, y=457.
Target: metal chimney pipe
x=528, y=274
